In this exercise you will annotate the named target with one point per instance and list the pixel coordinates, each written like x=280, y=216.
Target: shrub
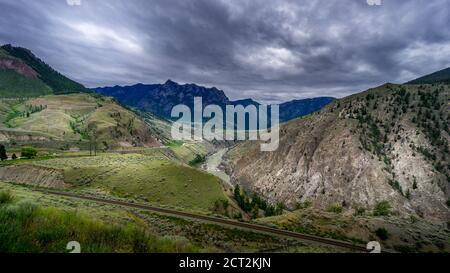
x=382, y=209
x=28, y=152
x=408, y=194
x=396, y=185
x=279, y=209
x=406, y=249
x=359, y=211
x=237, y=216
x=335, y=209
x=254, y=203
x=28, y=228
x=3, y=155
x=303, y=205
x=199, y=159
x=5, y=197
x=221, y=207
x=439, y=245
x=382, y=233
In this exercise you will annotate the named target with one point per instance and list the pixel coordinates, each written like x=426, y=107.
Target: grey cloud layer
x=267, y=50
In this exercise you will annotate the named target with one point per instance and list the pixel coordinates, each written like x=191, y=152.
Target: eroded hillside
x=389, y=144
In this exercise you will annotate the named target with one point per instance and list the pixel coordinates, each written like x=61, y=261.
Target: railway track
x=248, y=226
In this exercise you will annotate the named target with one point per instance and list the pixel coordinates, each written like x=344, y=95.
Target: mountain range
x=22, y=74
x=161, y=98
x=379, y=158
x=390, y=142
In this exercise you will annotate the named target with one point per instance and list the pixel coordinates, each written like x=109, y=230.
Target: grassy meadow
x=37, y=222
x=153, y=179
x=28, y=227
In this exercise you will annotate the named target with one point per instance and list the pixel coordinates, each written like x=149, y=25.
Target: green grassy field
x=56, y=215
x=28, y=227
x=186, y=152
x=153, y=179
x=14, y=85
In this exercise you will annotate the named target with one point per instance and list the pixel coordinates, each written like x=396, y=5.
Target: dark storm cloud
x=267, y=50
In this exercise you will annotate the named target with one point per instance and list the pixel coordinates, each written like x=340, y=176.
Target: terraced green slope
x=75, y=119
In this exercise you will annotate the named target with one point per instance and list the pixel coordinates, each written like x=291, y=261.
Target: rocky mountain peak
x=169, y=82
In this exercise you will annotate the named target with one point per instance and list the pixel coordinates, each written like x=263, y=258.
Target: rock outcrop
x=387, y=144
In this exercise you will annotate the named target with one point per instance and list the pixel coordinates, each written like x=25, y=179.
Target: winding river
x=212, y=166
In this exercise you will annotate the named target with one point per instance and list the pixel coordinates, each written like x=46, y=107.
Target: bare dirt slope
x=33, y=175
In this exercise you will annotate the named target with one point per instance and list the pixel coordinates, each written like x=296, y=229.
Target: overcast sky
x=268, y=50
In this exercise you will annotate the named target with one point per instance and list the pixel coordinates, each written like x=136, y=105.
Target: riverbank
x=212, y=166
